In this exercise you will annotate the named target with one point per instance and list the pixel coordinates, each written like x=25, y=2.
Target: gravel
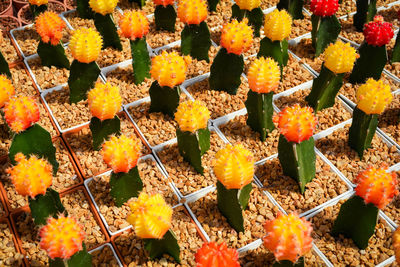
x=390, y=15
x=389, y=120
x=349, y=31
x=22, y=81
x=8, y=50
x=104, y=258
x=9, y=255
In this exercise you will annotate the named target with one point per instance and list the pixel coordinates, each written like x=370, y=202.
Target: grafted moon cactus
x=213, y=254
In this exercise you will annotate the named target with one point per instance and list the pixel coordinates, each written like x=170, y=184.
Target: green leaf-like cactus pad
x=140, y=60
x=81, y=79
x=256, y=17
x=46, y=206
x=84, y=10
x=125, y=186
x=165, y=18
x=4, y=68
x=102, y=130
x=52, y=55
x=196, y=41
x=167, y=245
x=164, y=99
x=325, y=30
x=276, y=50
x=106, y=27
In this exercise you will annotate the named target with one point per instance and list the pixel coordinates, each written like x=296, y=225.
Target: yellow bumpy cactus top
x=234, y=166
x=49, y=26
x=7, y=90
x=277, y=25
x=104, y=101
x=61, y=237
x=133, y=25
x=21, y=113
x=339, y=57
x=236, y=37
x=103, y=7
x=85, y=45
x=264, y=75
x=121, y=153
x=192, y=116
x=396, y=244
x=192, y=11
x=38, y=2
x=169, y=69
x=288, y=237
x=373, y=96
x=31, y=177
x=151, y=216
x=248, y=4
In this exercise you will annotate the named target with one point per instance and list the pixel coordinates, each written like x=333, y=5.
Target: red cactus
x=378, y=32
x=324, y=8
x=211, y=254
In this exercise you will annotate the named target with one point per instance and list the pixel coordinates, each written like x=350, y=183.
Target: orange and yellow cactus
x=103, y=7
x=192, y=116
x=121, y=153
x=373, y=96
x=192, y=11
x=296, y=123
x=278, y=25
x=85, y=45
x=212, y=254
x=104, y=101
x=49, y=26
x=396, y=244
x=133, y=25
x=234, y=166
x=21, y=113
x=62, y=237
x=163, y=2
x=264, y=75
x=7, y=90
x=38, y=2
x=340, y=57
x=151, y=216
x=236, y=37
x=31, y=177
x=169, y=69
x=288, y=237
x=248, y=4
x=376, y=186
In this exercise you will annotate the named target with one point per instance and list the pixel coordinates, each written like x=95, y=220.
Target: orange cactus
x=61, y=237
x=248, y=4
x=151, y=216
x=264, y=75
x=296, y=123
x=163, y=2
x=49, y=26
x=104, y=101
x=133, y=25
x=288, y=237
x=85, y=45
x=377, y=186
x=236, y=37
x=192, y=116
x=192, y=11
x=212, y=254
x=38, y=2
x=169, y=69
x=7, y=90
x=121, y=153
x=21, y=113
x=31, y=177
x=396, y=244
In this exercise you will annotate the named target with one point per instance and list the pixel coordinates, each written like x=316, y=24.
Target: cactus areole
x=250, y=10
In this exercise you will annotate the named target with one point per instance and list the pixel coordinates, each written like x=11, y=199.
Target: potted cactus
x=236, y=38
x=250, y=10
x=358, y=215
x=366, y=11
x=294, y=7
x=372, y=99
x=213, y=254
x=234, y=169
x=165, y=15
x=296, y=143
x=37, y=6
x=4, y=67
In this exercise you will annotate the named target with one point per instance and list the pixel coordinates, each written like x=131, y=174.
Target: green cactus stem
x=84, y=10
x=226, y=71
x=294, y=7
x=101, y=130
x=125, y=186
x=356, y=220
x=366, y=11
x=231, y=203
x=141, y=3
x=36, y=10
x=297, y=160
x=140, y=60
x=45, y=206
x=34, y=141
x=370, y=64
x=212, y=5
x=287, y=263
x=164, y=99
x=193, y=145
x=80, y=259
x=53, y=55
x=165, y=18
x=324, y=89
x=167, y=245
x=259, y=113
x=106, y=27
x=255, y=16
x=4, y=67
x=362, y=130
x=395, y=52
x=82, y=78
x=276, y=50
x=325, y=30
x=195, y=41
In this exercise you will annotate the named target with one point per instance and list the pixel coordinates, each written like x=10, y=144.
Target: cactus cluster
x=49, y=26
x=378, y=32
x=85, y=45
x=192, y=116
x=103, y=7
x=237, y=37
x=21, y=113
x=248, y=4
x=339, y=57
x=324, y=8
x=104, y=101
x=264, y=75
x=373, y=96
x=277, y=25
x=192, y=11
x=218, y=255
x=133, y=25
x=7, y=90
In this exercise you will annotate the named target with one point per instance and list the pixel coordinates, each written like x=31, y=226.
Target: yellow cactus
x=340, y=57
x=85, y=45
x=49, y=26
x=234, y=166
x=277, y=25
x=38, y=2
x=236, y=37
x=7, y=90
x=192, y=116
x=373, y=96
x=103, y=7
x=264, y=75
x=62, y=237
x=31, y=177
x=169, y=69
x=192, y=11
x=396, y=244
x=151, y=216
x=133, y=25
x=248, y=4
x=104, y=101
x=21, y=113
